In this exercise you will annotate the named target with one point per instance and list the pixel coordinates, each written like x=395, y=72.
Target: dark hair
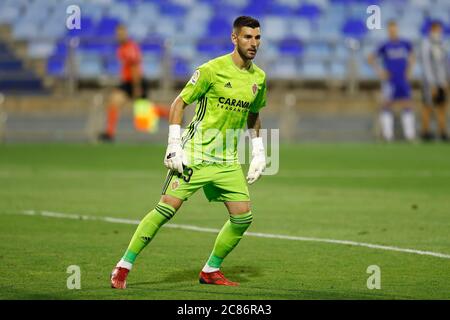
x=392, y=22
x=435, y=23
x=245, y=21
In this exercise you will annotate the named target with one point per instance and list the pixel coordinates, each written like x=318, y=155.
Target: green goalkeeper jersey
x=225, y=95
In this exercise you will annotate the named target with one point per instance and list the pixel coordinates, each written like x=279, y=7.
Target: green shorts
x=220, y=182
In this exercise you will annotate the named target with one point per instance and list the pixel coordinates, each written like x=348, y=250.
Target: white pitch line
x=251, y=234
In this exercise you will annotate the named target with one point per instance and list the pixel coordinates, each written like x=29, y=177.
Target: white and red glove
x=175, y=157
x=258, y=163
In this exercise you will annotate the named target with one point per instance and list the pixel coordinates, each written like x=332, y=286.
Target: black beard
x=243, y=55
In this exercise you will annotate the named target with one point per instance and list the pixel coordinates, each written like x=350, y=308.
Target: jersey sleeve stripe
x=194, y=125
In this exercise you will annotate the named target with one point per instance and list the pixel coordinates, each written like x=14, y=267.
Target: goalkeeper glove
x=258, y=163
x=174, y=158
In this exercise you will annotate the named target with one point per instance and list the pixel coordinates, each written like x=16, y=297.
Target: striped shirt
x=434, y=60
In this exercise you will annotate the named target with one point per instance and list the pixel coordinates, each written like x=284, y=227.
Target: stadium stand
x=310, y=36
x=15, y=77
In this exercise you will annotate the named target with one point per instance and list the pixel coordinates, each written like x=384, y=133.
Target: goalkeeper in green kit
x=230, y=91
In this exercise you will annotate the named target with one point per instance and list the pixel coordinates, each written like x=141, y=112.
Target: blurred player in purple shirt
x=397, y=60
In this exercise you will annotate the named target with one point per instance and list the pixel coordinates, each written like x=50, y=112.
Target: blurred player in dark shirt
x=394, y=72
x=132, y=85
x=434, y=59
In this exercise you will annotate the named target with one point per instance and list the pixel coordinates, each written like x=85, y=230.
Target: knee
x=243, y=219
x=171, y=201
x=117, y=98
x=237, y=208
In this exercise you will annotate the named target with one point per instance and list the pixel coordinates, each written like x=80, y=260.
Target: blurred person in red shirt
x=132, y=84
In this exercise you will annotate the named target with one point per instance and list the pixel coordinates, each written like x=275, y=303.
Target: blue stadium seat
x=314, y=70
x=26, y=30
x=60, y=48
x=441, y=13
x=365, y=71
x=286, y=68
x=158, y=2
x=14, y=65
x=214, y=47
x=390, y=12
x=145, y=12
x=238, y=4
x=167, y=27
x=334, y=3
x=137, y=31
x=55, y=66
x=193, y=28
x=354, y=28
x=279, y=9
x=275, y=27
x=89, y=66
x=219, y=27
x=172, y=10
x=377, y=35
x=309, y=11
x=290, y=47
x=98, y=48
x=327, y=31
x=412, y=17
x=40, y=49
x=130, y=3
x=257, y=10
x=152, y=46
x=184, y=49
x=94, y=9
x=358, y=11
x=200, y=30
x=341, y=52
x=120, y=11
x=106, y=27
x=53, y=30
x=202, y=13
x=420, y=4
x=181, y=69
x=317, y=51
x=267, y=53
x=301, y=29
x=406, y=32
x=292, y=4
x=9, y=14
x=112, y=66
x=37, y=14
x=447, y=30
x=338, y=70
x=152, y=68
x=369, y=48
x=86, y=30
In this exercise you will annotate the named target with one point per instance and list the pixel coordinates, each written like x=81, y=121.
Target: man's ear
x=234, y=38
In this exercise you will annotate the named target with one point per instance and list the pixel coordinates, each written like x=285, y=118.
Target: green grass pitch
x=394, y=195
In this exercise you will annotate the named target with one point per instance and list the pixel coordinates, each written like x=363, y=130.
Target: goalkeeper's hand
x=174, y=157
x=258, y=163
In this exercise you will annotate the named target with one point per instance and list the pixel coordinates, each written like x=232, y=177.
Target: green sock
x=229, y=237
x=147, y=229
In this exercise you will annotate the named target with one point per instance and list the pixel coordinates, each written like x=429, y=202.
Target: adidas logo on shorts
x=228, y=85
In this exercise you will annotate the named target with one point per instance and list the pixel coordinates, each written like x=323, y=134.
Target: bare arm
x=411, y=62
x=253, y=124
x=177, y=111
x=381, y=73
